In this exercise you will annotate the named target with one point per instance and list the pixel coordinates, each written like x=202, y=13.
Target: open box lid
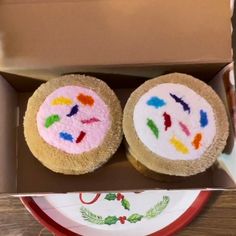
x=55, y=37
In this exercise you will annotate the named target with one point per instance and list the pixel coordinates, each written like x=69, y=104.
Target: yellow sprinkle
x=62, y=101
x=179, y=146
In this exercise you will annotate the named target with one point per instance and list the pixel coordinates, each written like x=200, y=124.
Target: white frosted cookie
x=175, y=124
x=73, y=124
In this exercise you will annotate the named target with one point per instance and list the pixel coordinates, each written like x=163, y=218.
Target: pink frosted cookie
x=175, y=124
x=73, y=124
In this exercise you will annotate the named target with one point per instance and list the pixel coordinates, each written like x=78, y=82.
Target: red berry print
x=122, y=219
x=119, y=196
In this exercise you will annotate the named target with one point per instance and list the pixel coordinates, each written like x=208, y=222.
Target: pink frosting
x=95, y=130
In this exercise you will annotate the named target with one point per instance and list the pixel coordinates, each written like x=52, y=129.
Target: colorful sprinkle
x=66, y=136
x=51, y=120
x=184, y=128
x=61, y=101
x=151, y=124
x=167, y=120
x=89, y=121
x=156, y=102
x=181, y=101
x=74, y=110
x=196, y=141
x=85, y=99
x=203, y=118
x=80, y=137
x=179, y=146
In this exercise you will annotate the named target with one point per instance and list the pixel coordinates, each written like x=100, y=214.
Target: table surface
x=217, y=218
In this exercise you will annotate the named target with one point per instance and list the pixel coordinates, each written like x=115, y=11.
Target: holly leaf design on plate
x=110, y=196
x=135, y=218
x=125, y=203
x=110, y=220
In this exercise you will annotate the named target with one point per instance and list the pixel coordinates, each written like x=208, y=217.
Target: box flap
x=68, y=35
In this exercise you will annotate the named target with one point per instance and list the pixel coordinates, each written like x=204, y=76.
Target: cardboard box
x=41, y=40
x=49, y=38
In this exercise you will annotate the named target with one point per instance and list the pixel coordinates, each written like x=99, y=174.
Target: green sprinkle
x=151, y=124
x=51, y=120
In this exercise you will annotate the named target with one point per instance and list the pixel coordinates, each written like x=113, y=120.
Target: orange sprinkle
x=85, y=99
x=196, y=141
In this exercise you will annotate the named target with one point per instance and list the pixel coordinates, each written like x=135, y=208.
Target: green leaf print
x=110, y=196
x=110, y=220
x=125, y=203
x=135, y=218
x=158, y=208
x=91, y=217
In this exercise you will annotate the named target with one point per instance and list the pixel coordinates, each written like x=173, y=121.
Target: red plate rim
x=170, y=229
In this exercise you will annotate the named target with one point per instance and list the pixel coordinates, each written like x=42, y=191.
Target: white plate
x=148, y=212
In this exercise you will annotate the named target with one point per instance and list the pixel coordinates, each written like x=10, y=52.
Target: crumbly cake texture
x=73, y=124
x=150, y=173
x=175, y=124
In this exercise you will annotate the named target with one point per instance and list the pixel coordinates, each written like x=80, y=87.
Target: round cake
x=174, y=125
x=73, y=124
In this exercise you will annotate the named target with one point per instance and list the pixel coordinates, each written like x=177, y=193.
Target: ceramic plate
x=150, y=212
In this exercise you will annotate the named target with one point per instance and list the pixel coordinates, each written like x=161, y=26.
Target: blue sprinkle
x=74, y=110
x=156, y=102
x=182, y=102
x=203, y=118
x=66, y=136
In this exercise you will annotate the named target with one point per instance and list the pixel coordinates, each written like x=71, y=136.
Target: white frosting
x=162, y=145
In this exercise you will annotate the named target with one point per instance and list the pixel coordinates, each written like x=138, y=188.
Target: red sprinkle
x=184, y=128
x=89, y=121
x=167, y=121
x=80, y=137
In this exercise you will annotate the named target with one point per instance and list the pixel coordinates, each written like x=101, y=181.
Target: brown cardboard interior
x=117, y=174
x=55, y=37
x=8, y=124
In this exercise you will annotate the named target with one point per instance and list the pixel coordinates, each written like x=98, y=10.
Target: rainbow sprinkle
x=179, y=146
x=61, y=101
x=203, y=118
x=156, y=102
x=151, y=124
x=51, y=120
x=197, y=140
x=66, y=136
